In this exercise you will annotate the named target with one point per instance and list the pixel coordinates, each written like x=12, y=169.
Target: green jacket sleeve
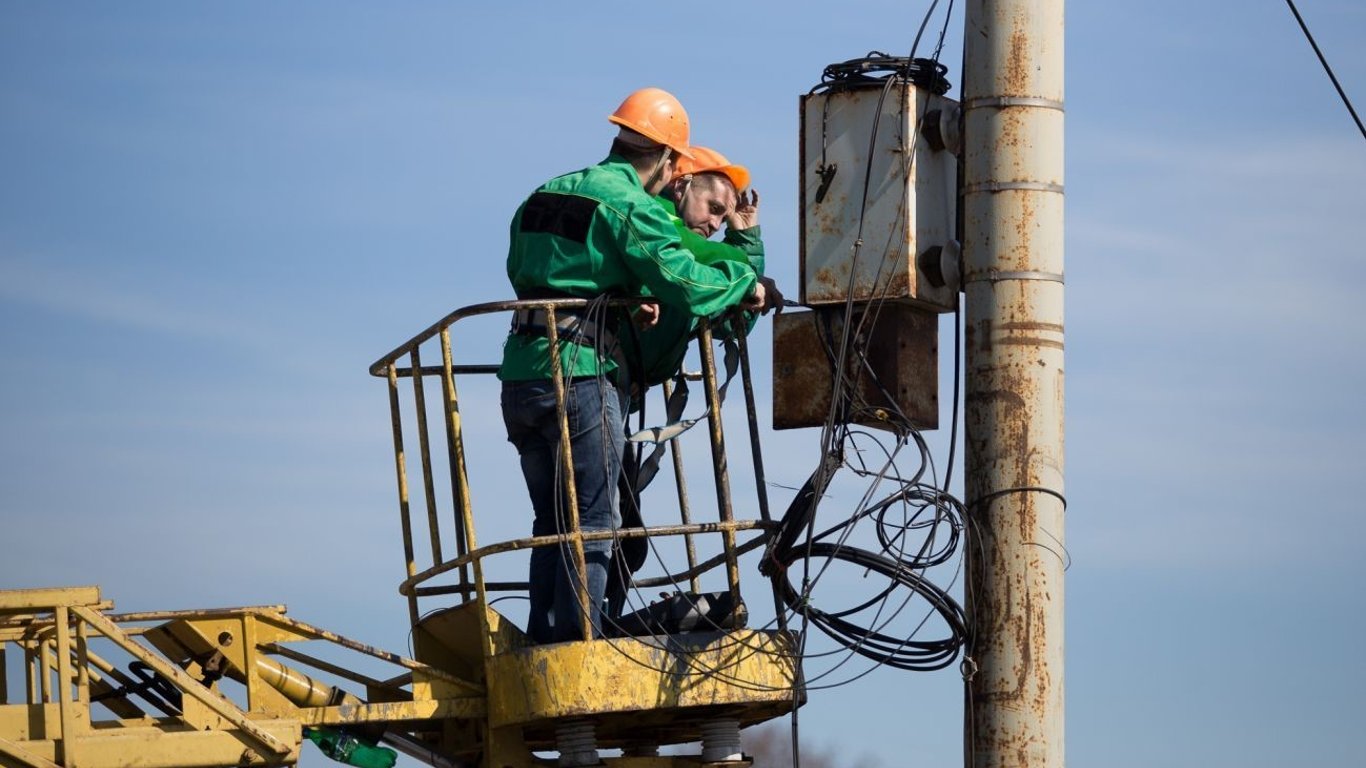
x=741, y=247
x=750, y=243
x=655, y=254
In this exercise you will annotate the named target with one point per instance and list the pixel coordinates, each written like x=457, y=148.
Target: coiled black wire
x=876, y=67
x=900, y=652
x=913, y=510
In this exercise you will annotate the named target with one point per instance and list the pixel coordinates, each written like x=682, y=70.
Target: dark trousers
x=597, y=437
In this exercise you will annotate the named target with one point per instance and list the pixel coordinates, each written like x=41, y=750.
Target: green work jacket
x=661, y=348
x=594, y=232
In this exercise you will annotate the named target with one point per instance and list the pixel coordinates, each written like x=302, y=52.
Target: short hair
x=714, y=179
x=704, y=180
x=635, y=147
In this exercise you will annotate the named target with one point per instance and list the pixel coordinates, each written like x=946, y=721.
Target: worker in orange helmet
x=720, y=186
x=591, y=234
x=706, y=192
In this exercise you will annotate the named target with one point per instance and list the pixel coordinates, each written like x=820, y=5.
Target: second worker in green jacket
x=708, y=191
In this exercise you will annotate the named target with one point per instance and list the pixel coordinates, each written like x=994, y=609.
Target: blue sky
x=213, y=217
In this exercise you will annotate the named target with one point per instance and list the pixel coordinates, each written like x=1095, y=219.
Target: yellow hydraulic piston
x=186, y=641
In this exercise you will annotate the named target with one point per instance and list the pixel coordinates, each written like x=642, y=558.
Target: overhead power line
x=1326, y=68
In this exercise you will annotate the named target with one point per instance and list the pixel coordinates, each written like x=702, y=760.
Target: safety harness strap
x=571, y=325
x=673, y=411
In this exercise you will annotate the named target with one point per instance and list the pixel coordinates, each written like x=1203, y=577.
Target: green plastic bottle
x=351, y=749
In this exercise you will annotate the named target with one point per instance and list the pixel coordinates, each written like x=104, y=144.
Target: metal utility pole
x=1013, y=247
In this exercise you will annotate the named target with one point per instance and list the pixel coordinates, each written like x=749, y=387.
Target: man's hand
x=773, y=298
x=647, y=315
x=756, y=301
x=746, y=213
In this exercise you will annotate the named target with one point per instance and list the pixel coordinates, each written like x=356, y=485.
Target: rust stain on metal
x=1017, y=68
x=828, y=215
x=1031, y=325
x=825, y=278
x=1025, y=225
x=983, y=334
x=1038, y=618
x=1059, y=402
x=1025, y=635
x=1030, y=341
x=1012, y=125
x=901, y=346
x=1014, y=421
x=1011, y=399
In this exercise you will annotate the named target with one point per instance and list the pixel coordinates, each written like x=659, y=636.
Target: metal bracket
x=998, y=102
x=1003, y=186
x=996, y=276
x=827, y=174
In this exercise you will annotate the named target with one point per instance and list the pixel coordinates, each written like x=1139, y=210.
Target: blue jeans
x=597, y=437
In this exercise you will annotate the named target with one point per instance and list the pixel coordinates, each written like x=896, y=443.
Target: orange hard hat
x=657, y=115
x=706, y=160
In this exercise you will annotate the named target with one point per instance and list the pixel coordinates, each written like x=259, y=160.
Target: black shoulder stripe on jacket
x=556, y=214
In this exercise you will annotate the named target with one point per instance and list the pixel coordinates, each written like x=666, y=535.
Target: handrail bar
x=380, y=367
x=407, y=587
x=653, y=581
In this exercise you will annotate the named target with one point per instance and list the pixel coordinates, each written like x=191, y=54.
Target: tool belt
x=570, y=325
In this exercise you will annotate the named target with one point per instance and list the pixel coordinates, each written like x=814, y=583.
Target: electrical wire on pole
x=1341, y=93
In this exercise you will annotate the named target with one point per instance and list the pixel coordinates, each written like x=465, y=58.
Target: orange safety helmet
x=706, y=160
x=655, y=114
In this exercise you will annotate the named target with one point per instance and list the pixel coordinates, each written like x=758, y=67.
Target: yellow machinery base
x=478, y=695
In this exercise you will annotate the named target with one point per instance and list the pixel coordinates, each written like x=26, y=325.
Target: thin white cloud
x=84, y=293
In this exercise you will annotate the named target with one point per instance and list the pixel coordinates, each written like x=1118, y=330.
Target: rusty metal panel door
x=911, y=199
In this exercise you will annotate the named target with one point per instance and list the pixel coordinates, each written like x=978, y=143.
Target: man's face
x=704, y=203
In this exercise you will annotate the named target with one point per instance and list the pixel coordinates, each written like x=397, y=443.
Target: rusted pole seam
x=996, y=276
x=997, y=102
x=1006, y=186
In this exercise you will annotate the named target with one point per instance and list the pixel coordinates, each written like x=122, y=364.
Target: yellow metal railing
x=466, y=563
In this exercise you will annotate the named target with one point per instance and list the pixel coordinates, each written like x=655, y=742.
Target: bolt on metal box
x=892, y=366
x=902, y=140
